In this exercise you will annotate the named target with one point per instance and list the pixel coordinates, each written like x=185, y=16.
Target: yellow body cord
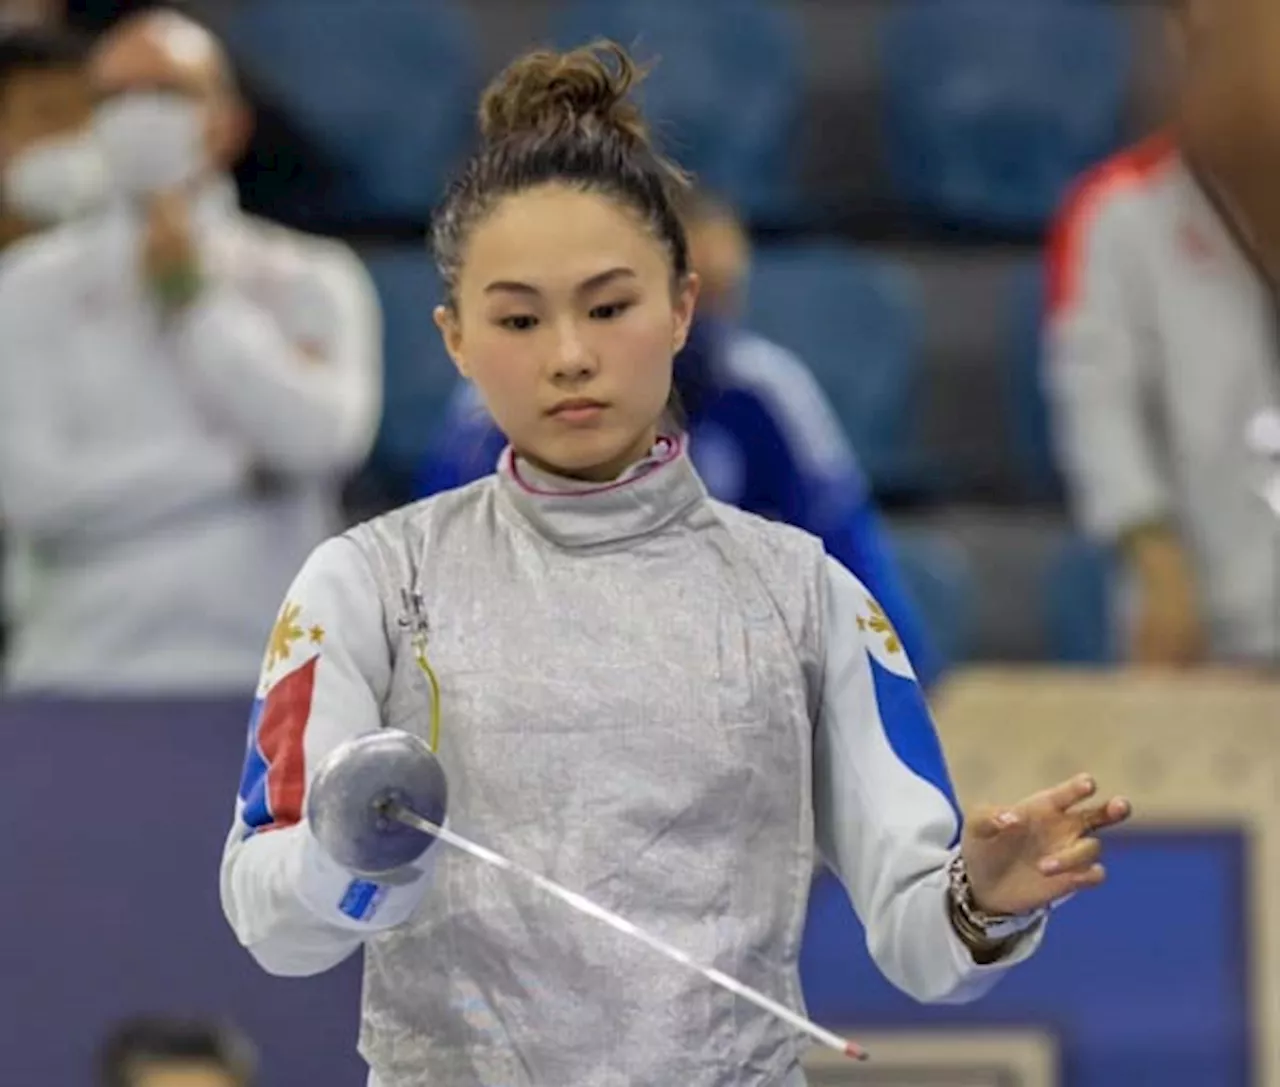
x=420, y=652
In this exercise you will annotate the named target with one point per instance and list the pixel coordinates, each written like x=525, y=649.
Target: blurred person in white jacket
x=50, y=170
x=182, y=390
x=1163, y=351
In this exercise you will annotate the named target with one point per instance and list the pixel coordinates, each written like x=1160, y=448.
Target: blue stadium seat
x=994, y=106
x=1036, y=466
x=856, y=321
x=941, y=582
x=419, y=374
x=1078, y=609
x=387, y=86
x=725, y=92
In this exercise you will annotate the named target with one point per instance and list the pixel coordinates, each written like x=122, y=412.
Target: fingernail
x=1049, y=866
x=1006, y=818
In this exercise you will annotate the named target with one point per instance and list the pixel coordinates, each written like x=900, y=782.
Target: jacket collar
x=574, y=514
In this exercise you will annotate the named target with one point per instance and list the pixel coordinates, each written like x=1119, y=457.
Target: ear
x=683, y=307
x=451, y=332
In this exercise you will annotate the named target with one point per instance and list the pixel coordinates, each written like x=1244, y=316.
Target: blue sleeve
x=885, y=812
x=465, y=449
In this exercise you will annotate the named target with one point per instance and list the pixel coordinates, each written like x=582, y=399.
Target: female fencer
x=657, y=700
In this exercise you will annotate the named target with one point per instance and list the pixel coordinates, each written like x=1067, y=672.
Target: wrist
x=987, y=935
x=349, y=900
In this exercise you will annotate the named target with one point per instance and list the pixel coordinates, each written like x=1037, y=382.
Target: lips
x=578, y=405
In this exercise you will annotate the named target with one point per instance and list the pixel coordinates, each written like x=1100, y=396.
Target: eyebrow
x=584, y=287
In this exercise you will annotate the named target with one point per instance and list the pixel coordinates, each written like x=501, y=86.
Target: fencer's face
x=567, y=320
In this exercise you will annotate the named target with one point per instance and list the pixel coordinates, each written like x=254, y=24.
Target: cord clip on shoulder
x=414, y=616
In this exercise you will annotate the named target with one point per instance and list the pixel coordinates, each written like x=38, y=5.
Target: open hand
x=1038, y=851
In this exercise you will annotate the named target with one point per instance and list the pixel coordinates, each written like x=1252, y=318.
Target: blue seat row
x=989, y=106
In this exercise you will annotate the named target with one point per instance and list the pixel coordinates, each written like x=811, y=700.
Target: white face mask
x=151, y=141
x=56, y=179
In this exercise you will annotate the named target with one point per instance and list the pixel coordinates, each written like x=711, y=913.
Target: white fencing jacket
x=651, y=697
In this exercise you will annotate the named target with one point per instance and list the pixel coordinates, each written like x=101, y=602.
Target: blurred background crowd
x=1019, y=256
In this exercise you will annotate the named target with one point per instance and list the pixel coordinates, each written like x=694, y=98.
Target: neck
x=640, y=501
x=606, y=472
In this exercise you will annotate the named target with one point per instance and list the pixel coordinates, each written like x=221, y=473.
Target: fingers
x=1076, y=866
x=1081, y=787
x=1080, y=879
x=1100, y=816
x=1075, y=858
x=1071, y=792
x=988, y=821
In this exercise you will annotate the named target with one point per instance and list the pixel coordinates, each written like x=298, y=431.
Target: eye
x=520, y=322
x=609, y=311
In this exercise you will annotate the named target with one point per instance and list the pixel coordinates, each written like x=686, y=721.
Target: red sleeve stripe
x=281, y=733
x=1069, y=234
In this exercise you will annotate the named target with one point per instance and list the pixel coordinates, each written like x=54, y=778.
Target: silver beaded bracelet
x=989, y=927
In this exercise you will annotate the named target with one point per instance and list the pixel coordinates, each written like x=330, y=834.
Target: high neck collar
x=575, y=514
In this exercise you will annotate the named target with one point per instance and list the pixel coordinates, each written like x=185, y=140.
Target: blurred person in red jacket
x=1164, y=349
x=175, y=1053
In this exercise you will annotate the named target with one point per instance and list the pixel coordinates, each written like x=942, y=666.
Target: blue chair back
x=419, y=376
x=388, y=86
x=855, y=320
x=725, y=92
x=993, y=107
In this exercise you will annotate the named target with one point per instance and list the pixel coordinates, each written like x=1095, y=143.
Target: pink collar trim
x=665, y=450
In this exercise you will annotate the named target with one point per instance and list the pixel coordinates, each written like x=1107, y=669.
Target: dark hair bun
x=585, y=89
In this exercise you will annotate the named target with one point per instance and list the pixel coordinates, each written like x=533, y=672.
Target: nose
x=574, y=359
